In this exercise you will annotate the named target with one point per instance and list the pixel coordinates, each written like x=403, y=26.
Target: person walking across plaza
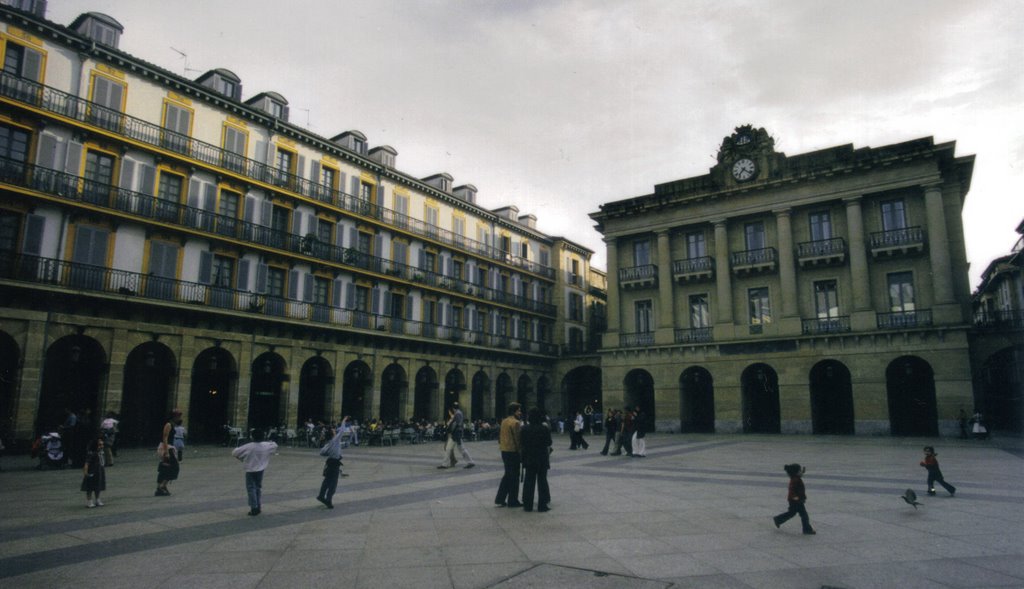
x=536, y=442
x=332, y=469
x=931, y=463
x=576, y=436
x=639, y=433
x=511, y=448
x=455, y=428
x=94, y=477
x=626, y=439
x=796, y=496
x=611, y=430
x=255, y=457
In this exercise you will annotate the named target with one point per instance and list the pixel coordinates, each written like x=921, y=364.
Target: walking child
x=255, y=456
x=797, y=496
x=94, y=477
x=934, y=473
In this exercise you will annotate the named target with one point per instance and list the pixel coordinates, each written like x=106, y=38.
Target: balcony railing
x=822, y=251
x=904, y=319
x=754, y=260
x=694, y=335
x=67, y=105
x=636, y=340
x=905, y=240
x=137, y=204
x=84, y=277
x=1010, y=319
x=693, y=268
x=638, y=276
x=824, y=325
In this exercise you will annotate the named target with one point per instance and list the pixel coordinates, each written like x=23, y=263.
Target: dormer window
x=226, y=87
x=99, y=28
x=271, y=103
x=277, y=110
x=222, y=81
x=358, y=145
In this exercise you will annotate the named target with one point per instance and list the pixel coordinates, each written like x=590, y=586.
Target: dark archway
x=214, y=385
x=149, y=376
x=543, y=391
x=315, y=382
x=831, y=398
x=639, y=391
x=696, y=401
x=74, y=373
x=454, y=385
x=910, y=386
x=10, y=359
x=502, y=395
x=1003, y=390
x=265, y=399
x=355, y=391
x=761, y=412
x=425, y=395
x=394, y=390
x=481, y=390
x=581, y=386
x=524, y=392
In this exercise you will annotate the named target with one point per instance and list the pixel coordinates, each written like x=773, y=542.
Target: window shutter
x=336, y=295
x=73, y=162
x=265, y=213
x=33, y=243
x=423, y=260
x=409, y=306
x=127, y=174
x=353, y=237
x=47, y=155
x=243, y=275
x=375, y=301
x=293, y=285
x=261, y=278
x=380, y=195
x=300, y=167
x=378, y=245
x=448, y=319
x=195, y=188
x=339, y=235
x=261, y=152
x=355, y=186
x=285, y=111
x=33, y=65
x=147, y=179
x=209, y=197
x=205, y=267
x=297, y=222
x=350, y=295
x=307, y=288
x=341, y=182
x=250, y=209
x=467, y=318
x=314, y=172
x=386, y=311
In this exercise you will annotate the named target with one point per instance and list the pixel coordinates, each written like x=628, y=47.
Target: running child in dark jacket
x=934, y=473
x=797, y=496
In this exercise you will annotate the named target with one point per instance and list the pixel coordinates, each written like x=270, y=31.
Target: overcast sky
x=560, y=106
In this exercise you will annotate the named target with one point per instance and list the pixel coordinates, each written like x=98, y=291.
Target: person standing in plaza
x=454, y=432
x=576, y=437
x=931, y=463
x=94, y=477
x=796, y=496
x=255, y=457
x=611, y=430
x=511, y=448
x=626, y=439
x=332, y=469
x=536, y=442
x=639, y=433
x=108, y=427
x=167, y=437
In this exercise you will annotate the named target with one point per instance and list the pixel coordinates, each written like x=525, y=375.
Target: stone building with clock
x=823, y=292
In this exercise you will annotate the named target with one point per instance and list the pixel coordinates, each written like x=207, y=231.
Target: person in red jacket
x=797, y=497
x=934, y=474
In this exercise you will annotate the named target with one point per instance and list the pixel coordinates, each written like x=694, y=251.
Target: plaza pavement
x=694, y=513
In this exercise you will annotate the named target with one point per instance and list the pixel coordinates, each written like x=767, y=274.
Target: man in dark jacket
x=536, y=442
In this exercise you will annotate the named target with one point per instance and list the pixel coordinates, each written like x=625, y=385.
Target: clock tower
x=747, y=156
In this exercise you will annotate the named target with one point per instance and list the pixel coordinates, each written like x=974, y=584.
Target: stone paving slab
x=694, y=513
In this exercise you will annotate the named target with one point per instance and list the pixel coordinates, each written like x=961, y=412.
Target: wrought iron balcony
x=152, y=208
x=635, y=277
x=693, y=269
x=904, y=319
x=750, y=261
x=908, y=240
x=98, y=279
x=825, y=325
x=821, y=252
x=996, y=320
x=636, y=340
x=61, y=103
x=694, y=335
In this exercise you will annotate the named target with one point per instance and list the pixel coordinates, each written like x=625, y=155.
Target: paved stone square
x=695, y=513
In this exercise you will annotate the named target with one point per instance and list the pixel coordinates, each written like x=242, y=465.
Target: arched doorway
x=910, y=386
x=454, y=385
x=524, y=392
x=502, y=395
x=696, y=401
x=639, y=391
x=543, y=392
x=425, y=395
x=481, y=388
x=214, y=383
x=265, y=398
x=831, y=398
x=581, y=386
x=1003, y=390
x=10, y=359
x=149, y=378
x=315, y=382
x=355, y=391
x=393, y=392
x=74, y=373
x=761, y=413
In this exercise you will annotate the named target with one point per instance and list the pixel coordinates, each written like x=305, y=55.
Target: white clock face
x=744, y=169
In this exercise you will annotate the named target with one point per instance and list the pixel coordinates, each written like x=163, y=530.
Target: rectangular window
x=457, y=269
x=397, y=309
x=235, y=141
x=13, y=144
x=329, y=177
x=275, y=282
x=108, y=102
x=90, y=257
x=178, y=121
x=223, y=272
x=821, y=225
x=759, y=306
x=429, y=261
x=402, y=206
x=753, y=235
x=285, y=165
x=826, y=299
x=459, y=229
x=699, y=313
x=24, y=69
x=228, y=209
x=901, y=292
x=163, y=269
x=323, y=231
x=99, y=177
x=641, y=253
x=429, y=312
x=505, y=244
x=894, y=215
x=644, y=316
x=365, y=192
x=695, y=246
x=321, y=291
x=168, y=196
x=574, y=276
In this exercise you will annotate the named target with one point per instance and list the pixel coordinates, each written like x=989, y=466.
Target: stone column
x=666, y=310
x=787, y=271
x=723, y=276
x=938, y=245
x=858, y=255
x=611, y=336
